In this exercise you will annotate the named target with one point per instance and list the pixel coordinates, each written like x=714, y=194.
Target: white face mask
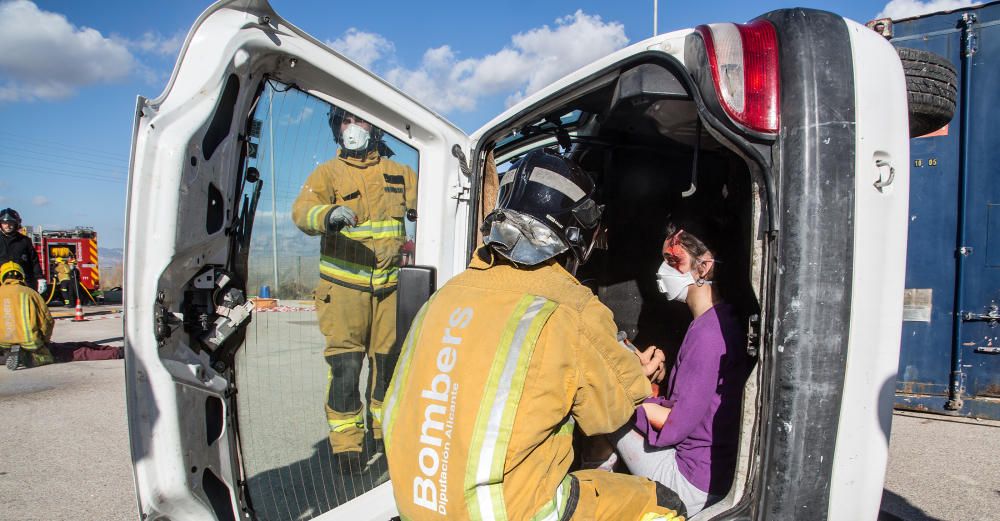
x=673, y=283
x=354, y=137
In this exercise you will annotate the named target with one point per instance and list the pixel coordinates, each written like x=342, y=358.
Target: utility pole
x=655, y=15
x=274, y=186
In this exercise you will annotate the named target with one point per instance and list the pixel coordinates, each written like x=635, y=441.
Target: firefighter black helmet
x=10, y=215
x=545, y=207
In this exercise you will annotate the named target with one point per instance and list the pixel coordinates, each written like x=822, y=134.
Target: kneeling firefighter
x=506, y=359
x=25, y=320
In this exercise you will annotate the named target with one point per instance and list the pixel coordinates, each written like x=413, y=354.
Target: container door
x=276, y=191
x=927, y=356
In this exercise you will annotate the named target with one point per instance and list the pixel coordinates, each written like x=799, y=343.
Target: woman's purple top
x=704, y=391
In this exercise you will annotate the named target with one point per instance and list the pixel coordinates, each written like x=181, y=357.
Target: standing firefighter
x=24, y=319
x=505, y=360
x=16, y=247
x=357, y=203
x=64, y=281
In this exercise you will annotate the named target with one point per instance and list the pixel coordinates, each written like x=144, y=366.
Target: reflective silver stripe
x=556, y=182
x=488, y=453
x=553, y=510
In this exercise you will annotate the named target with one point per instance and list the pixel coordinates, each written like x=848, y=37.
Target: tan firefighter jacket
x=63, y=271
x=497, y=369
x=380, y=191
x=24, y=317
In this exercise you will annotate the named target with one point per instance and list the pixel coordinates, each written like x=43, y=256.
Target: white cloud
x=39, y=200
x=897, y=9
x=364, y=48
x=303, y=115
x=44, y=56
x=153, y=42
x=533, y=60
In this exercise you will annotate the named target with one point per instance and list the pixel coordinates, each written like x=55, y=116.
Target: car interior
x=639, y=135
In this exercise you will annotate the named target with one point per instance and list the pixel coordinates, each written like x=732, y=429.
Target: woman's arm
x=656, y=414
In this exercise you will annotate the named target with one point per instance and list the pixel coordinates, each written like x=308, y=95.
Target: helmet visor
x=522, y=238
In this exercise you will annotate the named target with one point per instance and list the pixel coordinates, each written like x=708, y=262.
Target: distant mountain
x=110, y=256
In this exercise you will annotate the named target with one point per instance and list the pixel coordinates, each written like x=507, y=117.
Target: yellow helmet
x=9, y=267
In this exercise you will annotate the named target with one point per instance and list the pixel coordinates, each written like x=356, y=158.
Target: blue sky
x=70, y=72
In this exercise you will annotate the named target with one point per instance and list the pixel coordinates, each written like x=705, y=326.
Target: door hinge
x=993, y=316
x=459, y=192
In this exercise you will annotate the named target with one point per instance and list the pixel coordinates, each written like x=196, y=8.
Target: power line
x=71, y=148
x=65, y=174
x=70, y=163
x=48, y=152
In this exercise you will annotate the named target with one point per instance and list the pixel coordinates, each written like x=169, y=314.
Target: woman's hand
x=653, y=363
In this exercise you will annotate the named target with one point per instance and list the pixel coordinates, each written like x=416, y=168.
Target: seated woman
x=688, y=439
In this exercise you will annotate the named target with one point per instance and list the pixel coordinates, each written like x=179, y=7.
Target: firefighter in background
x=16, y=247
x=24, y=319
x=64, y=280
x=506, y=360
x=358, y=204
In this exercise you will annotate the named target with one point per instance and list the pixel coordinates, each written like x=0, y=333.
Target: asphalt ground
x=65, y=451
x=66, y=456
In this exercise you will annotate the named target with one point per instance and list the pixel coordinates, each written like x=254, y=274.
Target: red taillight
x=744, y=63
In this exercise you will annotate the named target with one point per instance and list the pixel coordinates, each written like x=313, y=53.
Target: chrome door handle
x=880, y=183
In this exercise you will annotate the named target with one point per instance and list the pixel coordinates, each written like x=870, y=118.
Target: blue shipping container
x=950, y=353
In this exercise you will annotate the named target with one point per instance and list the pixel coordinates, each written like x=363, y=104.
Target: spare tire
x=931, y=89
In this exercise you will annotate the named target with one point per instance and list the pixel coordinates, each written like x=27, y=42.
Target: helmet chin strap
x=570, y=263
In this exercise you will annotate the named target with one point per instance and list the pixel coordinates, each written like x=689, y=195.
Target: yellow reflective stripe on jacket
x=357, y=273
x=566, y=427
x=26, y=316
x=492, y=431
x=401, y=375
x=553, y=510
x=346, y=423
x=315, y=217
x=375, y=230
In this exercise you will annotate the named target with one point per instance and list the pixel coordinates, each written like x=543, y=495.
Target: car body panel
x=880, y=220
x=169, y=386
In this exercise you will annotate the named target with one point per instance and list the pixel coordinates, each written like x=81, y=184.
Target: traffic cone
x=79, y=312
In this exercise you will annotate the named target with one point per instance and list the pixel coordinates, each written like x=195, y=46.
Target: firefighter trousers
x=357, y=325
x=68, y=292
x=38, y=354
x=608, y=495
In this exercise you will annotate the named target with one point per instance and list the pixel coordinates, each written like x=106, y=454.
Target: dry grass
x=111, y=277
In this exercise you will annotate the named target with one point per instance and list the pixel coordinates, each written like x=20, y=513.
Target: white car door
x=228, y=397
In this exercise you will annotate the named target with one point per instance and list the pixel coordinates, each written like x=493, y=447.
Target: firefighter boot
x=14, y=358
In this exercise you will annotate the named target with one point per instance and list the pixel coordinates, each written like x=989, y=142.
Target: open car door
x=251, y=309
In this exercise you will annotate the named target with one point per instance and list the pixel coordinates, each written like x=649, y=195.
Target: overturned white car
x=793, y=127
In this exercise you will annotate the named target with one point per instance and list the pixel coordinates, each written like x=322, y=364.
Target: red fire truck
x=80, y=243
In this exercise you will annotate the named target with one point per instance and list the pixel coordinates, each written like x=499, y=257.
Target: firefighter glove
x=341, y=216
x=42, y=285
